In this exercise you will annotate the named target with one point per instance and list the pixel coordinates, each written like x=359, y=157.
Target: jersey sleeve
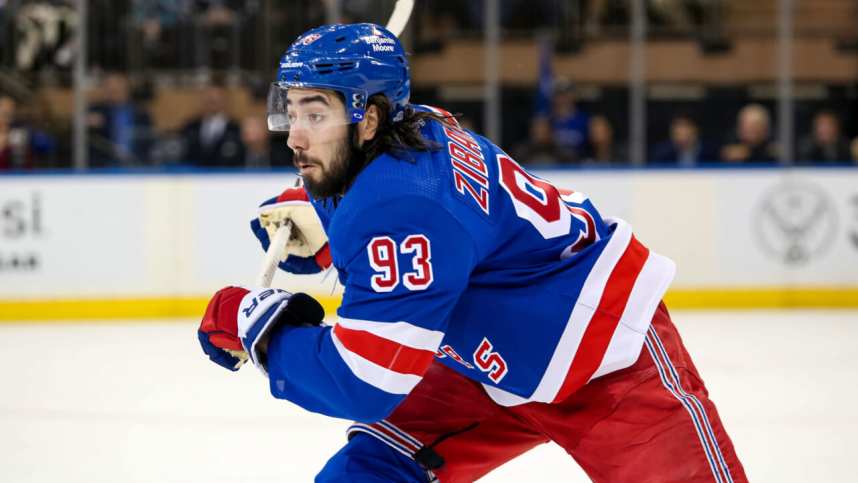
x=406, y=262
x=323, y=210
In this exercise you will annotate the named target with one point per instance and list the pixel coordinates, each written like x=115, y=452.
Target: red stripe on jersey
x=604, y=322
x=384, y=352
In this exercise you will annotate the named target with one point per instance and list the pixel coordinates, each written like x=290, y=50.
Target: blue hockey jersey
x=460, y=255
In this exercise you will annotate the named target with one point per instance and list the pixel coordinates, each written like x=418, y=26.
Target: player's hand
x=218, y=332
x=307, y=249
x=238, y=322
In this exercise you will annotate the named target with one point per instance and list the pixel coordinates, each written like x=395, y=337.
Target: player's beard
x=332, y=179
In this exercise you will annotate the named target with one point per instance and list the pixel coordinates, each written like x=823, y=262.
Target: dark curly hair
x=396, y=138
x=400, y=136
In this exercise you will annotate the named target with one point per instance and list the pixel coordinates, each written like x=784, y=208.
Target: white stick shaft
x=399, y=17
x=274, y=255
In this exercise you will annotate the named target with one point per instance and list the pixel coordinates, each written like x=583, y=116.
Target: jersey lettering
x=469, y=158
x=447, y=351
x=467, y=169
x=470, y=172
x=480, y=195
x=464, y=139
x=490, y=362
x=255, y=301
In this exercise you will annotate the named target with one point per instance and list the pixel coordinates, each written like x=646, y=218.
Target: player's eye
x=315, y=118
x=292, y=117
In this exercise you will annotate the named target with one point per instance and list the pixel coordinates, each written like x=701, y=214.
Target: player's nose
x=297, y=139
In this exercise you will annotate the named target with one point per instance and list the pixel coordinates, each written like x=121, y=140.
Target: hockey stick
x=274, y=254
x=396, y=24
x=399, y=17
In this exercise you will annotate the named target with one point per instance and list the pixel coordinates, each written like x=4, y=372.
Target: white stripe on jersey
x=575, y=197
x=582, y=313
x=628, y=338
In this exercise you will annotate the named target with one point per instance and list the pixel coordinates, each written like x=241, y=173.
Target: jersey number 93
x=384, y=259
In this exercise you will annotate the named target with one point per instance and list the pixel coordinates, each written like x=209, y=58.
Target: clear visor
x=294, y=107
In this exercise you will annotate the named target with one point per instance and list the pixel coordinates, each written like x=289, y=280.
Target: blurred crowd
x=127, y=128
x=570, y=135
x=218, y=34
x=122, y=134
x=21, y=145
x=574, y=21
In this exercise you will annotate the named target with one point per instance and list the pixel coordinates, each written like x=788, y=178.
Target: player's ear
x=368, y=128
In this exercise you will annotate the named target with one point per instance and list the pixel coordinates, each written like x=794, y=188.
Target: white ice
x=133, y=401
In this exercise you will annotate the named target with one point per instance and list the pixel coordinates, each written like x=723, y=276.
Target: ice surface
x=136, y=401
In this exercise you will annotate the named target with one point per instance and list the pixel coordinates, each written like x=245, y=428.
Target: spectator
x=570, y=124
x=752, y=142
x=213, y=139
x=684, y=148
x=259, y=151
x=825, y=145
x=21, y=147
x=254, y=136
x=8, y=157
x=120, y=130
x=540, y=149
x=603, y=149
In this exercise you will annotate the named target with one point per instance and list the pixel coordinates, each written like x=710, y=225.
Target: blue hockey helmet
x=355, y=60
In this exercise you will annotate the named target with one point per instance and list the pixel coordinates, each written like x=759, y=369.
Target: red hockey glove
x=218, y=332
x=238, y=322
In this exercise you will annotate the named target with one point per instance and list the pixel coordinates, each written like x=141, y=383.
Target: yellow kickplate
x=763, y=298
x=58, y=310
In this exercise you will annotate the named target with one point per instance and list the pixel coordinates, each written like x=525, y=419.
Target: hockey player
x=485, y=311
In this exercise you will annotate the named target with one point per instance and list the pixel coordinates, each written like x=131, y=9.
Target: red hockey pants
x=651, y=422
